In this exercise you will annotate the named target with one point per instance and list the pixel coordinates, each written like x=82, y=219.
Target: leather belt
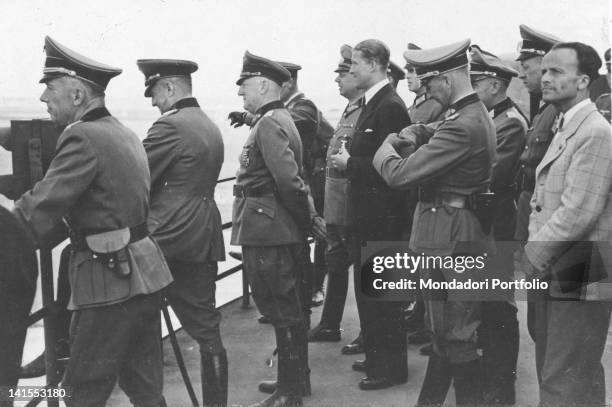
x=451, y=199
x=241, y=191
x=334, y=173
x=78, y=242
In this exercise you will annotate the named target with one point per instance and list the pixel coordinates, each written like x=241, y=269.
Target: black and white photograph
x=273, y=203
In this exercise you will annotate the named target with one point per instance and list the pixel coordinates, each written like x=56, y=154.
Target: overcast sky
x=215, y=34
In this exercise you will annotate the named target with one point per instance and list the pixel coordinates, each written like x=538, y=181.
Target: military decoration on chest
x=244, y=157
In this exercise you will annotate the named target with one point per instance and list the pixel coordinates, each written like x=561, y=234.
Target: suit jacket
x=271, y=159
x=458, y=159
x=99, y=180
x=379, y=210
x=572, y=203
x=185, y=152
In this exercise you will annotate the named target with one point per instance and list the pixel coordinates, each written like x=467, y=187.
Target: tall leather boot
x=467, y=380
x=287, y=392
x=436, y=383
x=269, y=386
x=214, y=379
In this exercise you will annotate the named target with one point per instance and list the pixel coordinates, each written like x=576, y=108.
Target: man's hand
x=340, y=159
x=522, y=263
x=404, y=142
x=236, y=119
x=319, y=229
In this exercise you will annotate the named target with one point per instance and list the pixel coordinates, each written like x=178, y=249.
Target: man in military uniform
x=17, y=287
x=315, y=133
x=185, y=152
x=271, y=219
x=533, y=47
x=379, y=213
x=499, y=332
x=338, y=208
x=116, y=269
x=395, y=74
x=424, y=109
x=451, y=170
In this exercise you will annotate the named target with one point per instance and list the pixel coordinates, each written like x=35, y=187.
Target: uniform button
x=538, y=208
x=433, y=209
x=526, y=147
x=537, y=139
x=523, y=166
x=259, y=210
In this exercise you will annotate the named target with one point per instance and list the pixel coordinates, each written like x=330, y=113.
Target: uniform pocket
x=265, y=206
x=93, y=282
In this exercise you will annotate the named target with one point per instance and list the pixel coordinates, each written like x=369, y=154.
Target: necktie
x=558, y=124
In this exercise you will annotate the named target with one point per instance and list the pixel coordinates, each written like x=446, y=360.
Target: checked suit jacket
x=570, y=227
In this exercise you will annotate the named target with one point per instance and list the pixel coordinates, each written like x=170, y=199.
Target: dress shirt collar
x=369, y=94
x=567, y=116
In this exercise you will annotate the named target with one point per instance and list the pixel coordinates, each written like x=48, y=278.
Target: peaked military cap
x=253, y=65
x=483, y=63
x=62, y=61
x=346, y=52
x=535, y=43
x=292, y=68
x=411, y=47
x=437, y=61
x=395, y=71
x=156, y=69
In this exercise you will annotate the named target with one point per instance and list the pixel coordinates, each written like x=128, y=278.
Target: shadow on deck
x=334, y=384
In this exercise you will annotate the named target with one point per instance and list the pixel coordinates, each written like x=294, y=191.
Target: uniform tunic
x=270, y=213
x=338, y=216
x=99, y=180
x=539, y=137
x=425, y=110
x=185, y=152
x=457, y=159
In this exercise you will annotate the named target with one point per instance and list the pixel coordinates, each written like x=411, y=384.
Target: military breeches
x=119, y=341
x=272, y=272
x=452, y=323
x=192, y=297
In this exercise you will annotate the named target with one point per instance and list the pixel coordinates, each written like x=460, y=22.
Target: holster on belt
x=112, y=249
x=483, y=206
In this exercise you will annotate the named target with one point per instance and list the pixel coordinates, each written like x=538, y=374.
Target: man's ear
x=583, y=82
x=169, y=87
x=264, y=86
x=79, y=94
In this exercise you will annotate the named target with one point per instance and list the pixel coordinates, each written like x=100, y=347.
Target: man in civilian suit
x=379, y=211
x=570, y=234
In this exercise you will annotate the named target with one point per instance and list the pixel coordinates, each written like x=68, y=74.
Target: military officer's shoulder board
x=513, y=113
